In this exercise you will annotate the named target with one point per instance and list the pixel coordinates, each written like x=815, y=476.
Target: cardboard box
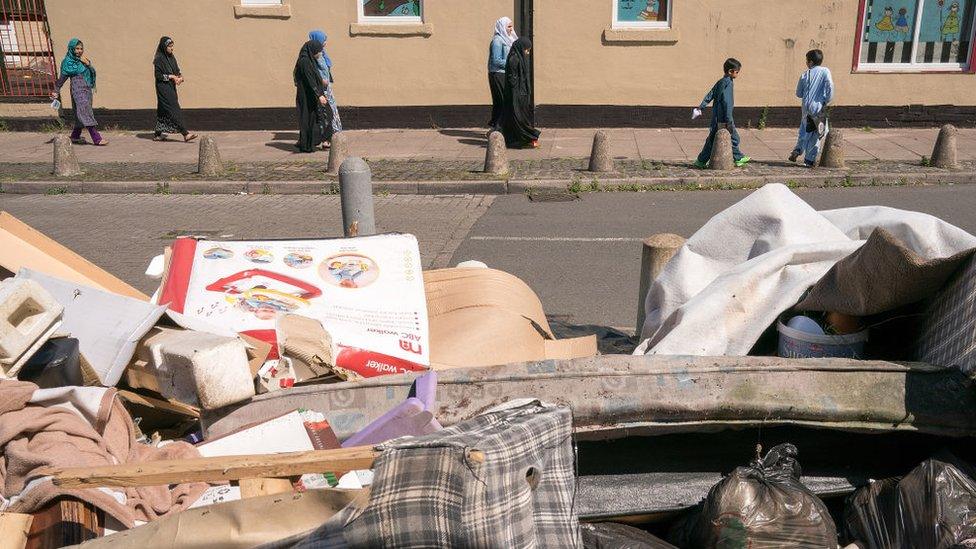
x=23, y=246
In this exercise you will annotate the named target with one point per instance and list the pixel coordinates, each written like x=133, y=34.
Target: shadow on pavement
x=480, y=135
x=288, y=147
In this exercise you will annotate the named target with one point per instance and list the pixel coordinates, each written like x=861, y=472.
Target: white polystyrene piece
x=201, y=369
x=28, y=317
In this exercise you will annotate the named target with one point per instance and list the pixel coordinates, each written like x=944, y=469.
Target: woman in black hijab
x=310, y=95
x=518, y=123
x=169, y=115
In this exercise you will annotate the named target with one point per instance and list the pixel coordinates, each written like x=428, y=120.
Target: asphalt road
x=581, y=257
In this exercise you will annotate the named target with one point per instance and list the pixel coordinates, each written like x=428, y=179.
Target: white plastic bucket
x=797, y=344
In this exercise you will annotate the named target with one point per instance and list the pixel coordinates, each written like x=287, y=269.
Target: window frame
x=616, y=23
x=913, y=66
x=389, y=20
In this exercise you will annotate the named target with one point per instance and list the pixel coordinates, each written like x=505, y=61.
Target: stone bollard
x=600, y=159
x=833, y=150
x=356, y=194
x=339, y=148
x=496, y=155
x=65, y=162
x=209, y=162
x=722, y=151
x=658, y=250
x=944, y=153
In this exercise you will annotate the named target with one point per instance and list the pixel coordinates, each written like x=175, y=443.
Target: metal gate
x=27, y=67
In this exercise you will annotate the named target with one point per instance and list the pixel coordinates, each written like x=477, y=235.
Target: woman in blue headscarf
x=330, y=121
x=80, y=70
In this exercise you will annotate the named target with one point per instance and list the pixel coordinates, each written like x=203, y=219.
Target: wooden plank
x=216, y=469
x=171, y=407
x=255, y=487
x=14, y=528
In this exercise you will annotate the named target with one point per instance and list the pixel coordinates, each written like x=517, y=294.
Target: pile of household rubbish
x=330, y=392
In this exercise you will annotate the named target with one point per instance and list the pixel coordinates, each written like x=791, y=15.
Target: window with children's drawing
x=390, y=11
x=916, y=35
x=642, y=13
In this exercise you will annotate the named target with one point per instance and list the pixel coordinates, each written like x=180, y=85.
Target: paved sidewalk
x=667, y=145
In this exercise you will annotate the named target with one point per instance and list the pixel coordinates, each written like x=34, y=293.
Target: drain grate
x=176, y=233
x=555, y=195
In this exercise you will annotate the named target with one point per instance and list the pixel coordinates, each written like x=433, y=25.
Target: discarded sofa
x=622, y=395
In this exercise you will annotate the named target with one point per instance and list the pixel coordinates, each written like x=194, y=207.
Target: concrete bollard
x=944, y=154
x=339, y=148
x=209, y=162
x=356, y=194
x=600, y=159
x=658, y=250
x=722, y=151
x=496, y=155
x=65, y=162
x=833, y=150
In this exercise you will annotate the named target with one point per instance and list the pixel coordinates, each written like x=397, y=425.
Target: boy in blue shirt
x=816, y=90
x=723, y=96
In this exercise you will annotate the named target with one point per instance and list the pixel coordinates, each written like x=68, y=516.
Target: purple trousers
x=92, y=131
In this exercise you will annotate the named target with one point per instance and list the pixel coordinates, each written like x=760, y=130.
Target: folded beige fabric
x=79, y=427
x=882, y=275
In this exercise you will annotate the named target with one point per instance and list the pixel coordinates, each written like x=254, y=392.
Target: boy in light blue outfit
x=816, y=89
x=722, y=96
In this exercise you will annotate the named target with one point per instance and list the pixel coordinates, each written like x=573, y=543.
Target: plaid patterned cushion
x=948, y=334
x=429, y=491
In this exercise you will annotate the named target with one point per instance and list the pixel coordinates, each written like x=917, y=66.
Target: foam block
x=28, y=317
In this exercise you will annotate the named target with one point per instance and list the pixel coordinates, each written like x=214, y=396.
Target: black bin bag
x=933, y=507
x=611, y=535
x=762, y=506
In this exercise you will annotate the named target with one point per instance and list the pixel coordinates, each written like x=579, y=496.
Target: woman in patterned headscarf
x=80, y=70
x=169, y=115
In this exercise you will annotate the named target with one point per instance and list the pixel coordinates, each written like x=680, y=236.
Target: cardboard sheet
x=21, y=246
x=367, y=292
x=107, y=326
x=282, y=434
x=484, y=317
x=236, y=524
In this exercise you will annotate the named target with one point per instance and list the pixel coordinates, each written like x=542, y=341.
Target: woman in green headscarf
x=79, y=69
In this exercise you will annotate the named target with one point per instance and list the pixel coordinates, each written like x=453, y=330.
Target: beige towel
x=79, y=427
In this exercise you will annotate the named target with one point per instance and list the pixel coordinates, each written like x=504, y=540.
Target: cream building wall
x=235, y=62
x=231, y=61
x=576, y=65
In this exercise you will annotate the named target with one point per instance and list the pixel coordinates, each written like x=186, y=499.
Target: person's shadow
x=284, y=141
x=467, y=137
x=288, y=146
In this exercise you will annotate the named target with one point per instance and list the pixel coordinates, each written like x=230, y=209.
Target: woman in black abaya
x=169, y=115
x=310, y=94
x=518, y=123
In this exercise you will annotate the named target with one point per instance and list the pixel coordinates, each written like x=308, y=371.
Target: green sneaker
x=700, y=165
x=742, y=161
